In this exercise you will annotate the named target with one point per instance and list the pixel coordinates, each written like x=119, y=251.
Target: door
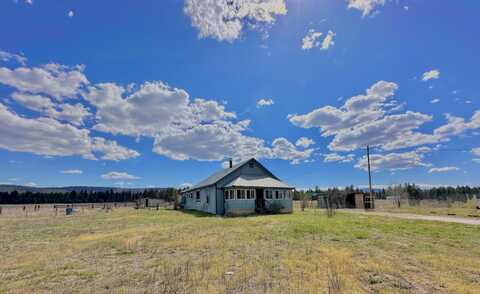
x=260, y=201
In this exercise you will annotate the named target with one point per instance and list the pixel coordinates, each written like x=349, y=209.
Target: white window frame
x=252, y=193
x=241, y=194
x=268, y=194
x=229, y=194
x=276, y=195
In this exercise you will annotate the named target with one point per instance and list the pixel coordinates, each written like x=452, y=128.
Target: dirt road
x=448, y=219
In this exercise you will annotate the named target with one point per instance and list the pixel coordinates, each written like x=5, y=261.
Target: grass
x=459, y=209
x=166, y=251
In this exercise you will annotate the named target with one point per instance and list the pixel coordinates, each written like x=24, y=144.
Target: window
x=268, y=194
x=197, y=196
x=251, y=194
x=208, y=197
x=277, y=195
x=288, y=194
x=240, y=194
x=229, y=194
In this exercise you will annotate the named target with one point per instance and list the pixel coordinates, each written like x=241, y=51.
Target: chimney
x=230, y=163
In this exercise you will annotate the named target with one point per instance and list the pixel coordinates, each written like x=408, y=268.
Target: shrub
x=275, y=208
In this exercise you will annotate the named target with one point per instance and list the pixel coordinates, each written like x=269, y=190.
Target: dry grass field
x=167, y=251
x=431, y=207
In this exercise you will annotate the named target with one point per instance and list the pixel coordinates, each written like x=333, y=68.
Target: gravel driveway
x=448, y=219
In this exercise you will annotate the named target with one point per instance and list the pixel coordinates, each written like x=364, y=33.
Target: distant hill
x=23, y=189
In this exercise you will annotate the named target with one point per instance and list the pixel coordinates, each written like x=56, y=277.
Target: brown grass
x=165, y=251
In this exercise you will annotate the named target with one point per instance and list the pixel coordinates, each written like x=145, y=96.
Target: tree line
x=15, y=197
x=406, y=191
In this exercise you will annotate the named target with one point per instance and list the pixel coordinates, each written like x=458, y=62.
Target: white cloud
x=476, y=151
x=443, y=169
x=6, y=56
x=367, y=120
x=328, y=41
x=111, y=150
x=51, y=79
x=44, y=136
x=225, y=20
x=70, y=13
x=73, y=113
x=114, y=175
x=283, y=149
x=210, y=142
x=182, y=129
x=72, y=172
x=434, y=101
x=335, y=157
x=30, y=2
x=366, y=6
x=431, y=75
x=304, y=142
x=390, y=133
x=363, y=121
x=264, y=102
x=153, y=107
x=220, y=140
x=311, y=40
x=424, y=149
x=356, y=110
x=392, y=161
x=33, y=102
x=30, y=184
x=457, y=125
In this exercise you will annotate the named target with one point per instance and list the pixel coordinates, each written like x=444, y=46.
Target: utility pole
x=370, y=200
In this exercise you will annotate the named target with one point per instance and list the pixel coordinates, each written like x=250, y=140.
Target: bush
x=275, y=208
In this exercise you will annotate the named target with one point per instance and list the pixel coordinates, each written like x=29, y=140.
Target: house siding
x=239, y=207
x=203, y=205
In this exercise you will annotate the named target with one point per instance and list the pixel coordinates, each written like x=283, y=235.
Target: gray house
x=244, y=188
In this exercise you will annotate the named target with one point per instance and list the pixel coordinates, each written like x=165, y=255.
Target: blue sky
x=161, y=93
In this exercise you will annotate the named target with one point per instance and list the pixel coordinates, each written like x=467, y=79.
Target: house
x=244, y=188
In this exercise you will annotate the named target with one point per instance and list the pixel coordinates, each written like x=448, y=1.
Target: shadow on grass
x=197, y=213
x=205, y=214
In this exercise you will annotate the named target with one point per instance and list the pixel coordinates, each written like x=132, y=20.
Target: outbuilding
x=244, y=188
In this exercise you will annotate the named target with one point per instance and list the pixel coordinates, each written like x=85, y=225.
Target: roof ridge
x=217, y=176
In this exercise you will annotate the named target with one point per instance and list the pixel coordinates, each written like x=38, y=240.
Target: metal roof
x=264, y=182
x=213, y=179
